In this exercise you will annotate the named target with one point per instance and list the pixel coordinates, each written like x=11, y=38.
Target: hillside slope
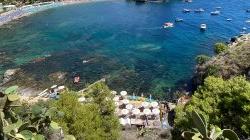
x=235, y=61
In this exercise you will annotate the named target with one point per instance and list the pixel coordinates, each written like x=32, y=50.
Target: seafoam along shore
x=34, y=8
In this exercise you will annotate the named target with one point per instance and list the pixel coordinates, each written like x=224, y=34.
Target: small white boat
x=188, y=0
x=229, y=19
x=186, y=10
x=178, y=20
x=248, y=21
x=199, y=10
x=215, y=12
x=244, y=28
x=218, y=7
x=168, y=25
x=203, y=27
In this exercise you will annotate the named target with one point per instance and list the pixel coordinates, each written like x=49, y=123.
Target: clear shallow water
x=121, y=40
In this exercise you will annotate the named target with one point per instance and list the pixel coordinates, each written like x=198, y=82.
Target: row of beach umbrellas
x=137, y=111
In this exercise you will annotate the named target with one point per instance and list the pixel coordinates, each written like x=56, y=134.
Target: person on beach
x=53, y=94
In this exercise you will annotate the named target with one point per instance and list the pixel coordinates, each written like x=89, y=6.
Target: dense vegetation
x=24, y=122
x=225, y=103
x=220, y=48
x=202, y=130
x=93, y=120
x=234, y=61
x=223, y=97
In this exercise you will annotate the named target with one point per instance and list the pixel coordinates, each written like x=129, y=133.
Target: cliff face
x=235, y=61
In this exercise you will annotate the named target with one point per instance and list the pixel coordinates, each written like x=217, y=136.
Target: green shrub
x=212, y=70
x=201, y=59
x=91, y=120
x=220, y=47
x=225, y=103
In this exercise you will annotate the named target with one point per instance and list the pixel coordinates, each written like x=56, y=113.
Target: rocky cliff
x=233, y=62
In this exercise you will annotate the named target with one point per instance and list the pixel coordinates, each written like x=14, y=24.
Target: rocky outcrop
x=149, y=134
x=234, y=62
x=8, y=75
x=57, y=76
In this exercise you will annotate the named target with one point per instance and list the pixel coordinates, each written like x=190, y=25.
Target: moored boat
x=248, y=21
x=188, y=0
x=186, y=10
x=199, y=10
x=178, y=20
x=229, y=19
x=203, y=27
x=168, y=25
x=218, y=7
x=215, y=12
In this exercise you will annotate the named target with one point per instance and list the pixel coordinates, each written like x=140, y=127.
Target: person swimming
x=76, y=79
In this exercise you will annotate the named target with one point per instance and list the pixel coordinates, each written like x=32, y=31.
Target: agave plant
x=201, y=131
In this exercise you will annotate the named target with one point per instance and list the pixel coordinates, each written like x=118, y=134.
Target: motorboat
x=218, y=7
x=203, y=27
x=168, y=25
x=199, y=10
x=229, y=19
x=178, y=20
x=244, y=28
x=188, y=0
x=186, y=10
x=215, y=12
x=248, y=21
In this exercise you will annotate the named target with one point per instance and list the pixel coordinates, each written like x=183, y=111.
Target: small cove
x=120, y=40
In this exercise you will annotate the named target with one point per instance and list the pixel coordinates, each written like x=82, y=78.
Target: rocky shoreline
x=27, y=10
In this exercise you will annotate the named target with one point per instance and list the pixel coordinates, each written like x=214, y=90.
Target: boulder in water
x=58, y=76
x=9, y=74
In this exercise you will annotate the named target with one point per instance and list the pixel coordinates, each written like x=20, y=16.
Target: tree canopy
x=220, y=47
x=94, y=119
x=225, y=103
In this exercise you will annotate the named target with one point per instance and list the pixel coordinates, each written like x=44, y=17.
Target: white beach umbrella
x=128, y=121
x=129, y=106
x=122, y=121
x=145, y=104
x=146, y=111
x=136, y=111
x=156, y=111
x=125, y=101
x=124, y=111
x=113, y=92
x=141, y=113
x=116, y=98
x=61, y=87
x=54, y=86
x=123, y=93
x=154, y=104
x=81, y=99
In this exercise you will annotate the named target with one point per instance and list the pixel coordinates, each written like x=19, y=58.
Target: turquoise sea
x=121, y=40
